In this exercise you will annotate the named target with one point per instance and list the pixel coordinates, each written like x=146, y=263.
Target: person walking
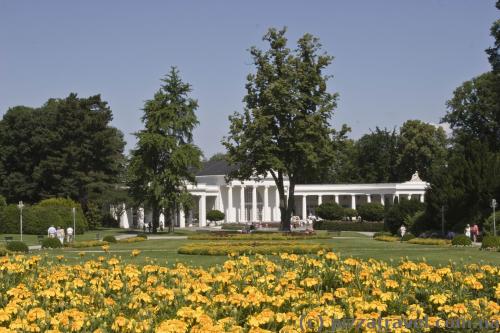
x=402, y=230
x=60, y=234
x=467, y=230
x=52, y=232
x=69, y=234
x=475, y=232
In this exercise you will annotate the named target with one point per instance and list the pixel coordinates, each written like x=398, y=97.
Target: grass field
x=349, y=244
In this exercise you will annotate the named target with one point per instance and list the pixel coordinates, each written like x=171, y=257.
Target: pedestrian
x=51, y=232
x=69, y=234
x=150, y=226
x=467, y=230
x=402, y=230
x=60, y=234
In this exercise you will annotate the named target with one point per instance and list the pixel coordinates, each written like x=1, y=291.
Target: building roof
x=218, y=167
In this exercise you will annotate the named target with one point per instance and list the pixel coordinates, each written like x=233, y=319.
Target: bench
x=8, y=239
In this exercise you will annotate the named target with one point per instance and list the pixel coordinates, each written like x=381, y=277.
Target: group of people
x=472, y=232
x=60, y=234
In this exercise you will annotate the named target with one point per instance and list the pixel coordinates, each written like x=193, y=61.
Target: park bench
x=8, y=239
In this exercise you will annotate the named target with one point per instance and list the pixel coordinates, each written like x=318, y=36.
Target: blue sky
x=394, y=60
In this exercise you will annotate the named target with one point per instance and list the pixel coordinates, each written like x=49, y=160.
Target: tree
x=422, y=148
x=65, y=148
x=330, y=211
x=284, y=129
x=215, y=215
x=217, y=157
x=494, y=52
x=376, y=156
x=162, y=163
x=372, y=211
x=397, y=213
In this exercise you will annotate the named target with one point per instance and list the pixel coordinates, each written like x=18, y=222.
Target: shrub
x=396, y=214
x=17, y=246
x=461, y=240
x=408, y=236
x=372, y=211
x=215, y=215
x=109, y=239
x=387, y=238
x=429, y=241
x=491, y=242
x=330, y=211
x=349, y=212
x=82, y=244
x=51, y=243
x=382, y=233
x=488, y=223
x=143, y=236
x=132, y=240
x=348, y=226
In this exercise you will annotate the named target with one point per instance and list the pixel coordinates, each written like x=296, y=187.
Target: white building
x=258, y=201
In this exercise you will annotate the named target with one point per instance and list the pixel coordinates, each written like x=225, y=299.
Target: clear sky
x=394, y=60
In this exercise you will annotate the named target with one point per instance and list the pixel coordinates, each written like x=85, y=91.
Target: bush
x=51, y=243
x=330, y=211
x=215, y=215
x=82, y=244
x=491, y=242
x=429, y=241
x=461, y=240
x=381, y=233
x=132, y=240
x=408, y=236
x=349, y=212
x=397, y=213
x=488, y=223
x=372, y=211
x=348, y=226
x=109, y=239
x=143, y=236
x=387, y=238
x=17, y=246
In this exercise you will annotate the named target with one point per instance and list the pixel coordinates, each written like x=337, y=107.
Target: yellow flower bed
x=430, y=241
x=242, y=295
x=258, y=236
x=258, y=247
x=131, y=240
x=387, y=238
x=89, y=243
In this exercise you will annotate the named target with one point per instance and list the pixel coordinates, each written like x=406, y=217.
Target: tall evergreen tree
x=162, y=163
x=284, y=130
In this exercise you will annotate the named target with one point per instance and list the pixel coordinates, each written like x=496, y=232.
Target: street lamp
x=74, y=223
x=494, y=205
x=20, y=206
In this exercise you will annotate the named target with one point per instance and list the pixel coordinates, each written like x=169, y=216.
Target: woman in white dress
x=467, y=231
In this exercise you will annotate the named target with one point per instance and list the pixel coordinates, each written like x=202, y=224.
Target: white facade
x=258, y=201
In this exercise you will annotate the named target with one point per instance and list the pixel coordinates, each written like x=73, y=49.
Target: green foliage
x=63, y=208
x=109, y=239
x=350, y=212
x=348, y=226
x=94, y=216
x=215, y=215
x=3, y=202
x=490, y=242
x=461, y=240
x=416, y=222
x=17, y=246
x=372, y=211
x=143, y=236
x=429, y=241
x=65, y=148
x=251, y=247
x=165, y=156
x=51, y=243
x=330, y=211
x=285, y=127
x=408, y=236
x=396, y=213
x=488, y=223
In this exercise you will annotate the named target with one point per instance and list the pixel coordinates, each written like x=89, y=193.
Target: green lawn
x=349, y=244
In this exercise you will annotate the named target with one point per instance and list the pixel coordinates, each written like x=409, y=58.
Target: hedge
x=132, y=240
x=82, y=244
x=387, y=238
x=275, y=247
x=491, y=242
x=109, y=239
x=348, y=226
x=372, y=211
x=429, y=241
x=408, y=236
x=51, y=243
x=259, y=236
x=330, y=211
x=215, y=215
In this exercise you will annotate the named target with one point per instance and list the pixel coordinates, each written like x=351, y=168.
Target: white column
x=422, y=197
x=368, y=198
x=229, y=217
x=304, y=207
x=265, y=210
x=254, y=203
x=382, y=200
x=320, y=200
x=277, y=211
x=242, y=204
x=182, y=218
x=353, y=201
x=336, y=198
x=202, y=211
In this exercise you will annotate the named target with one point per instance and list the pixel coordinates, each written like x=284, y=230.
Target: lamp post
x=494, y=205
x=74, y=223
x=20, y=206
